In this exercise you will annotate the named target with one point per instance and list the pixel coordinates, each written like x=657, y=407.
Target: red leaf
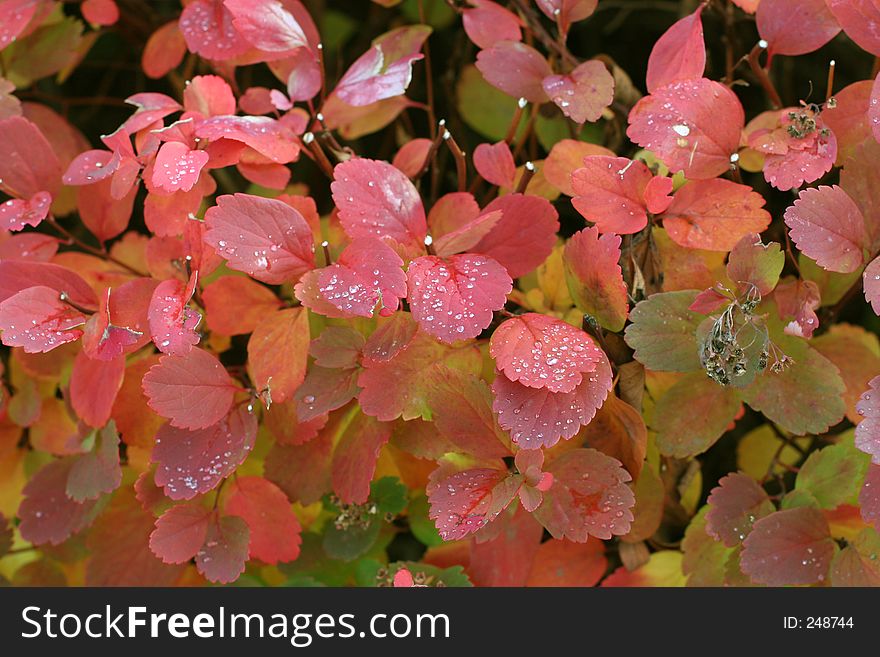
x=234, y=305
x=209, y=95
x=14, y=17
x=540, y=418
x=788, y=548
x=874, y=108
x=194, y=391
x=468, y=236
x=464, y=502
x=693, y=125
x=797, y=301
x=34, y=247
x=595, y=278
x=190, y=463
x=324, y=390
x=164, y=51
x=100, y=12
x=207, y=27
x=274, y=527
x=868, y=430
x=377, y=200
x=680, y=54
x=105, y=216
x=385, y=70
x=177, y=167
x=29, y=164
x=566, y=12
x=98, y=471
x=869, y=497
x=516, y=69
x=270, y=138
x=610, y=192
x=506, y=558
x=589, y=497
x=278, y=352
x=454, y=298
x=827, y=225
x=524, y=236
x=411, y=157
x=367, y=274
x=714, y=214
x=180, y=533
x=565, y=157
x=734, y=506
x=16, y=276
x=15, y=214
x=495, y=163
x=302, y=471
x=37, y=320
x=93, y=387
x=488, y=22
x=341, y=346
x=266, y=24
x=47, y=514
x=103, y=340
x=355, y=457
x=265, y=238
x=860, y=19
x=540, y=351
x=583, y=94
x=563, y=563
x=795, y=27
x=222, y=558
x=172, y=322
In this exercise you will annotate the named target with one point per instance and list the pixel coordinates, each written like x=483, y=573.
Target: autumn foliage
x=439, y=293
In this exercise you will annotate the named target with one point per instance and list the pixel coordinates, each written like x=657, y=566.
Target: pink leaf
x=589, y=497
x=539, y=418
x=177, y=167
x=827, y=225
x=540, y=351
x=15, y=214
x=93, y=387
x=495, y=163
x=266, y=24
x=610, y=192
x=693, y=125
x=797, y=301
x=305, y=78
x=16, y=276
x=274, y=527
x=270, y=138
x=29, y=164
x=680, y=54
x=385, y=70
x=516, y=69
x=37, y=320
x=468, y=236
x=869, y=497
x=222, y=558
x=789, y=547
x=565, y=157
x=466, y=501
x=191, y=463
x=454, y=298
x=583, y=94
x=524, y=236
x=860, y=19
x=874, y=109
x=164, y=51
x=172, y=322
x=795, y=27
x=180, y=533
x=47, y=514
x=714, y=214
x=377, y=200
x=265, y=238
x=868, y=430
x=368, y=273
x=100, y=12
x=734, y=506
x=594, y=277
x=355, y=457
x=194, y=391
x=33, y=246
x=488, y=22
x=411, y=157
x=566, y=12
x=14, y=18
x=208, y=29
x=871, y=282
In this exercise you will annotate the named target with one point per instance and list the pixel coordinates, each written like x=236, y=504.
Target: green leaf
x=804, y=398
x=663, y=332
x=834, y=475
x=389, y=495
x=46, y=51
x=483, y=107
x=858, y=564
x=832, y=285
x=705, y=559
x=752, y=262
x=693, y=414
x=422, y=527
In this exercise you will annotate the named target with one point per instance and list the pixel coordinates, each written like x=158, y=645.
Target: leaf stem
x=760, y=72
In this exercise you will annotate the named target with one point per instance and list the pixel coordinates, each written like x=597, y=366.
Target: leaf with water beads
x=15, y=214
x=266, y=24
x=192, y=462
x=795, y=27
x=367, y=276
x=14, y=18
x=679, y=54
x=734, y=506
x=540, y=351
x=589, y=497
x=868, y=430
x=537, y=417
x=265, y=238
x=270, y=138
x=193, y=391
x=172, y=322
x=871, y=284
x=869, y=497
x=516, y=69
x=454, y=298
x=177, y=167
x=103, y=340
x=584, y=93
x=37, y=320
x=789, y=547
x=207, y=26
x=464, y=502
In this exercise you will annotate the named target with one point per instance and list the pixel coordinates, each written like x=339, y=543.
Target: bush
x=321, y=307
